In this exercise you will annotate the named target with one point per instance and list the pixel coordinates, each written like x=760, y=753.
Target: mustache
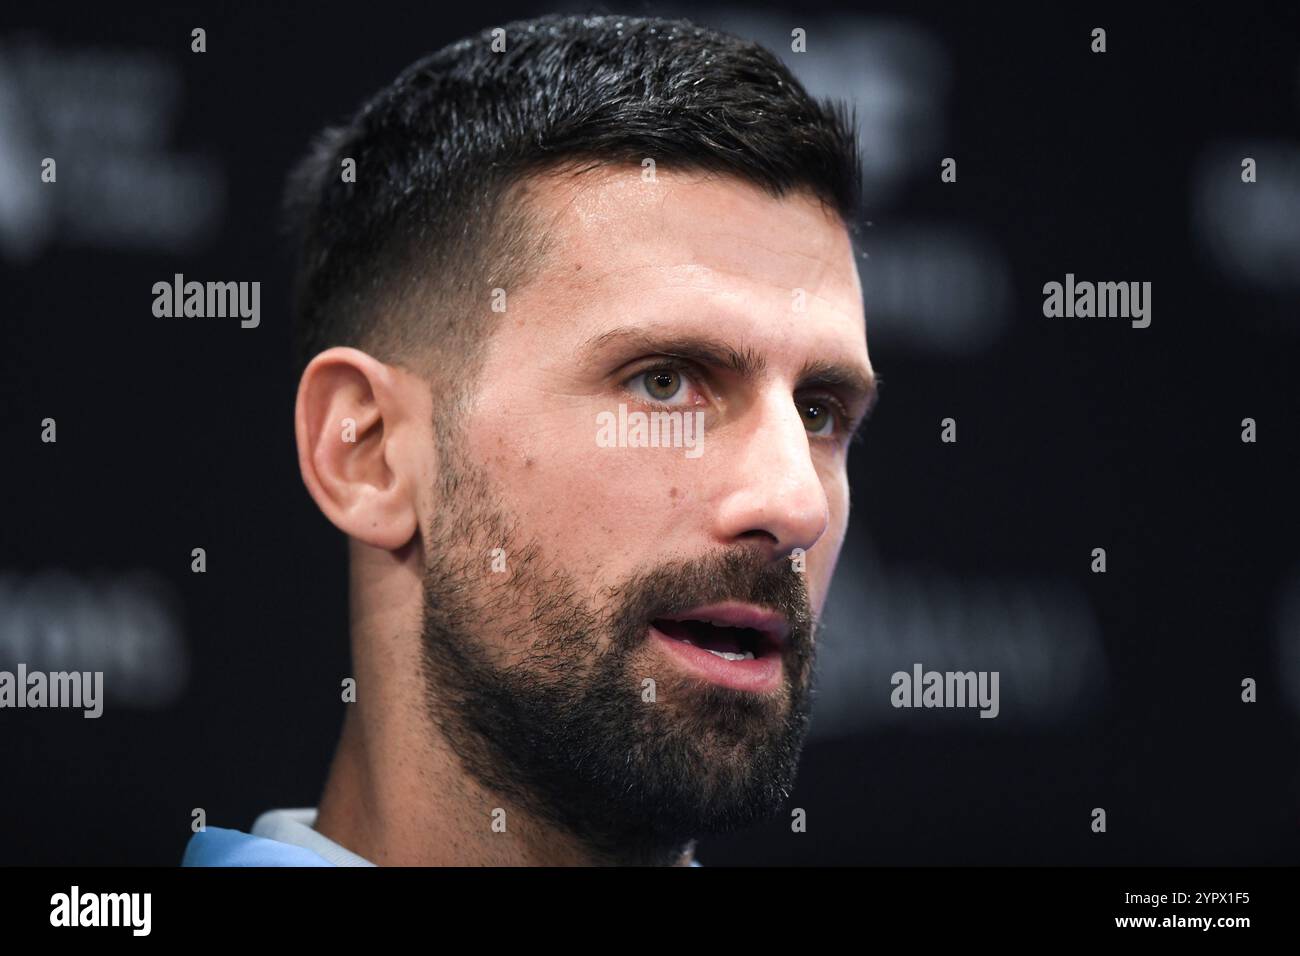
x=738, y=575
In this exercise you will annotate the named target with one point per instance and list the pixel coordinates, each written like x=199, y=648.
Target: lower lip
x=760, y=674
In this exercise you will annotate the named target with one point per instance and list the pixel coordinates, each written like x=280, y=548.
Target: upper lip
x=771, y=624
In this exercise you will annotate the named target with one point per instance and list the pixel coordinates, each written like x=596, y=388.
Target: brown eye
x=817, y=418
x=662, y=384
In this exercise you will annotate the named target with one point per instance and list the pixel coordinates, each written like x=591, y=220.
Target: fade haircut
x=402, y=263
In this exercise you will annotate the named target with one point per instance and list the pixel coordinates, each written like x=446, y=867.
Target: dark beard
x=566, y=732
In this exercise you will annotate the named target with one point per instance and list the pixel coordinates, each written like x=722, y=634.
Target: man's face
x=619, y=635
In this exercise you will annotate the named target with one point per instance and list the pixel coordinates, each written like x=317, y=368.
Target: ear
x=356, y=423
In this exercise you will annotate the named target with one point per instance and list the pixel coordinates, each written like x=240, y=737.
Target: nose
x=774, y=495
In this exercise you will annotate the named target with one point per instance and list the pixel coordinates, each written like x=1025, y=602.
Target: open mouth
x=729, y=643
x=737, y=645
x=731, y=631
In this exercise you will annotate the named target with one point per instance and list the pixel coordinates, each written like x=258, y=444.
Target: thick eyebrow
x=862, y=384
x=746, y=363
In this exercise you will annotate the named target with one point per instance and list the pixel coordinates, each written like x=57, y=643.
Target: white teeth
x=729, y=656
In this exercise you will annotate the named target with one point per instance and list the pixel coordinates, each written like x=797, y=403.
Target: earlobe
x=349, y=421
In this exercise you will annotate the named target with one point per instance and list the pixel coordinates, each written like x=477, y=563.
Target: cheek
x=825, y=555
x=586, y=507
x=599, y=512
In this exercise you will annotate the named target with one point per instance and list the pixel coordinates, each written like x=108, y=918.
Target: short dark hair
x=435, y=210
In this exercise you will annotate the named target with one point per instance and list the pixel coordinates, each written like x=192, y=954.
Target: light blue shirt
x=279, y=838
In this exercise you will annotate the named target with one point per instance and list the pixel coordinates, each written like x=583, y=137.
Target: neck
x=397, y=793
x=398, y=801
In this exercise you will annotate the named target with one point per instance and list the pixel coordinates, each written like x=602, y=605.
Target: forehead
x=623, y=249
